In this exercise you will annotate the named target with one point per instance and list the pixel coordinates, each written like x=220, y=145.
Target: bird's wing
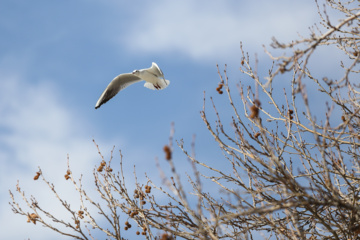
x=118, y=83
x=156, y=70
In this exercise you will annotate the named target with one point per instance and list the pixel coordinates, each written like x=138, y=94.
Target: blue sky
x=56, y=58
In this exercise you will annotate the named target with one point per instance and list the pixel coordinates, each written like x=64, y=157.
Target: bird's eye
x=135, y=71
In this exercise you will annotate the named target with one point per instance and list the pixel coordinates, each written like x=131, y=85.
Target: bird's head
x=136, y=72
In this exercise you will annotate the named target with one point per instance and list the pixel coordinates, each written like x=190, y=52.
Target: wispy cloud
x=214, y=29
x=37, y=130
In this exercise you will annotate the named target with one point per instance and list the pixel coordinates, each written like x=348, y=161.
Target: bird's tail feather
x=158, y=86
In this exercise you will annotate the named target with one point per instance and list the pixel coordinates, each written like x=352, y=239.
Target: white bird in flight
x=153, y=77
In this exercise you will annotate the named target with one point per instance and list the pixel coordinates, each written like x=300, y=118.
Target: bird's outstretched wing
x=118, y=83
x=156, y=70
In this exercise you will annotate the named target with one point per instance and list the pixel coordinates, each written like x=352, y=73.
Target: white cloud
x=37, y=130
x=213, y=29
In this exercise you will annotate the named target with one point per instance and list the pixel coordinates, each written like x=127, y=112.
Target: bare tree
x=292, y=174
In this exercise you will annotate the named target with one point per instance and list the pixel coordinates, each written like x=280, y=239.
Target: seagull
x=153, y=77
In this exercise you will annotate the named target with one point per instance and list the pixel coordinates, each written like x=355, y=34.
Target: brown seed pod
x=166, y=148
x=32, y=218
x=36, y=177
x=282, y=69
x=165, y=236
x=254, y=112
x=167, y=151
